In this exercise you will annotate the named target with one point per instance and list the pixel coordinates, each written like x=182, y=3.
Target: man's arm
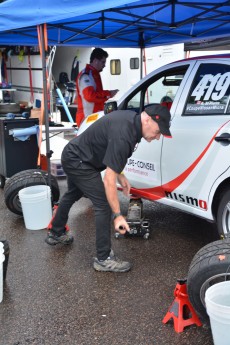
x=110, y=183
x=96, y=96
x=86, y=87
x=124, y=184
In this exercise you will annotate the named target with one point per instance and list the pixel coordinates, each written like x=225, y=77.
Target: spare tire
x=210, y=265
x=27, y=178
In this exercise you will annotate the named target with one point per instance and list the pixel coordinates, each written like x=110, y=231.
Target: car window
x=161, y=88
x=210, y=90
x=135, y=101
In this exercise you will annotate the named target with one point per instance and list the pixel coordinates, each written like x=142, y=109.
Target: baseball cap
x=162, y=116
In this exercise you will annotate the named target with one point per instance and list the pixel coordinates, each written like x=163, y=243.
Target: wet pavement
x=52, y=295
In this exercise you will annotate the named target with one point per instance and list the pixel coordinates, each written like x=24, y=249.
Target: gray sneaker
x=111, y=264
x=65, y=238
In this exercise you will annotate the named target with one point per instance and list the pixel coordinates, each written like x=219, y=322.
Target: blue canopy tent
x=109, y=23
x=120, y=23
x=124, y=23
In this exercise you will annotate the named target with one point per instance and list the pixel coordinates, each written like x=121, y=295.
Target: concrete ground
x=52, y=295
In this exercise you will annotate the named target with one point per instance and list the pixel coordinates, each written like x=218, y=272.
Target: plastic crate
x=56, y=168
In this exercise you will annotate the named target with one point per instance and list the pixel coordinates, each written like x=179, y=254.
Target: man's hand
x=121, y=225
x=124, y=184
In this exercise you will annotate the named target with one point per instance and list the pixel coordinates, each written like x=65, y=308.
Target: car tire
x=210, y=265
x=223, y=215
x=27, y=178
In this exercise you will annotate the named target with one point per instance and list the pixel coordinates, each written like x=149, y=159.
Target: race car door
x=192, y=161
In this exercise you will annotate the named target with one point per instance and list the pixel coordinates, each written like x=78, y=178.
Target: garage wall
x=18, y=71
x=18, y=75
x=64, y=57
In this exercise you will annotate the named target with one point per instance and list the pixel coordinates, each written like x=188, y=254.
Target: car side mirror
x=110, y=106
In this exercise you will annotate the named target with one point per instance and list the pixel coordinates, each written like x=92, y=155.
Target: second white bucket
x=2, y=258
x=217, y=300
x=36, y=206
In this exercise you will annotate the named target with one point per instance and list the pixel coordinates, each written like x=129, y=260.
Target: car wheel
x=27, y=178
x=223, y=215
x=210, y=265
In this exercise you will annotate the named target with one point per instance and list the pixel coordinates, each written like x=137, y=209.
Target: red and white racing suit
x=91, y=96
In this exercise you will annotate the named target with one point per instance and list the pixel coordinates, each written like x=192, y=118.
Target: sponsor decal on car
x=140, y=168
x=187, y=199
x=209, y=94
x=212, y=87
x=158, y=192
x=92, y=118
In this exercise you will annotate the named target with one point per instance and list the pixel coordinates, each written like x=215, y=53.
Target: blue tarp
x=109, y=23
x=16, y=14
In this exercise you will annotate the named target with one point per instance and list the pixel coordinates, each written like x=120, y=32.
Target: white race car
x=191, y=171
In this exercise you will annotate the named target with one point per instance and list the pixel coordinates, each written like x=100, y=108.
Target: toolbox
x=16, y=155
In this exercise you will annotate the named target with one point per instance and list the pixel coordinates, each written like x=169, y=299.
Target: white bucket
x=217, y=299
x=2, y=258
x=36, y=206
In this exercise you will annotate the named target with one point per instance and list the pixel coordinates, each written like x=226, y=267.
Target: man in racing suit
x=90, y=94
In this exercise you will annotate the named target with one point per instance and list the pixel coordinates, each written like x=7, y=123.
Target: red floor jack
x=49, y=227
x=181, y=309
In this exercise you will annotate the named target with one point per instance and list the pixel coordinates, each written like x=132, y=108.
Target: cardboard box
x=36, y=113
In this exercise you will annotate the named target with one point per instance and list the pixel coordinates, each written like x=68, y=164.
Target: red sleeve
x=95, y=96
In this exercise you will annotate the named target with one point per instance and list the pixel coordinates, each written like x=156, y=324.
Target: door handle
x=224, y=139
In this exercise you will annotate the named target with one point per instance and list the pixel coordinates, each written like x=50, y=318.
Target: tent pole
x=142, y=46
x=45, y=98
x=141, y=64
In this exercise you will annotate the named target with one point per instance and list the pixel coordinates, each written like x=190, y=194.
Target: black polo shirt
x=108, y=142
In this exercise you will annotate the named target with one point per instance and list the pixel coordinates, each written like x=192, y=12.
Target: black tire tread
x=27, y=178
x=206, y=264
x=219, y=247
